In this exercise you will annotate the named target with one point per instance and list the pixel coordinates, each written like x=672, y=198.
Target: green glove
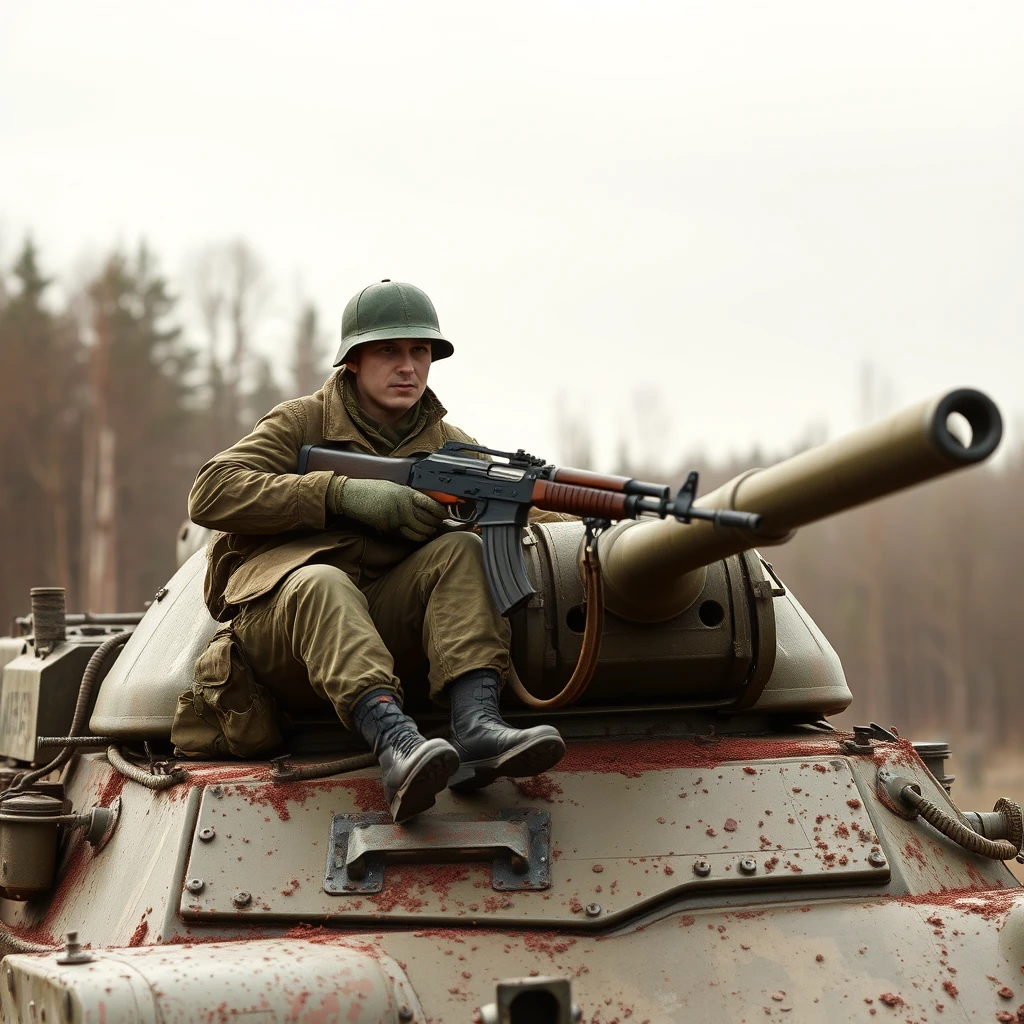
x=386, y=506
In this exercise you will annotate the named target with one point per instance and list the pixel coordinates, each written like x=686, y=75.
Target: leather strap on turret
x=590, y=652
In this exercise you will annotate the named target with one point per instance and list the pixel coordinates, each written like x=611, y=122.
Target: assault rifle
x=497, y=497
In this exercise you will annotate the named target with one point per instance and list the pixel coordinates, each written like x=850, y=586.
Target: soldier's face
x=390, y=376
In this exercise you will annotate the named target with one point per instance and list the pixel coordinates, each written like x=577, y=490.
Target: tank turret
x=695, y=614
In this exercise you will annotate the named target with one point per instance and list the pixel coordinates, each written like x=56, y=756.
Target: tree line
x=110, y=405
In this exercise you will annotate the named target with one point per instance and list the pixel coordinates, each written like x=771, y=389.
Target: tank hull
x=629, y=820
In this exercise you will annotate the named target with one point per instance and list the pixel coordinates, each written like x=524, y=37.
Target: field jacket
x=271, y=520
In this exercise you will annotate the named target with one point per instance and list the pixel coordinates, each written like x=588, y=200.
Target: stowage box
x=38, y=695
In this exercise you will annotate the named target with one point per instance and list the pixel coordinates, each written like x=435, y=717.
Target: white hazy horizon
x=696, y=223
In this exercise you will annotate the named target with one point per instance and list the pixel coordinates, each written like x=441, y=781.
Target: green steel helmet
x=390, y=309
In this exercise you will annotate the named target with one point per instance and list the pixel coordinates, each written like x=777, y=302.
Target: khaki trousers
x=321, y=632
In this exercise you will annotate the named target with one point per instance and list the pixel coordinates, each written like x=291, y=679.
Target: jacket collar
x=339, y=427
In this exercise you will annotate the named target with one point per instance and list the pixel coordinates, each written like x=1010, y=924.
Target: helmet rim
x=396, y=311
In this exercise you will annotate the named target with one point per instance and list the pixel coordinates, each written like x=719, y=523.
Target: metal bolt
x=701, y=868
x=242, y=898
x=195, y=885
x=404, y=1013
x=206, y=834
x=593, y=910
x=876, y=859
x=748, y=865
x=73, y=952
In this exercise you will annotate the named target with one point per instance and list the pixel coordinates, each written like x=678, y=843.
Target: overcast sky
x=696, y=222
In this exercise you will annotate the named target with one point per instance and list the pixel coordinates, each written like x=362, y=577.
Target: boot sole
x=530, y=758
x=430, y=777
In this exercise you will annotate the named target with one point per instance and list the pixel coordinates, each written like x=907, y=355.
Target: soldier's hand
x=387, y=507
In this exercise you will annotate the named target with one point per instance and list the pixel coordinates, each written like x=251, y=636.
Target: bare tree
x=246, y=297
x=309, y=352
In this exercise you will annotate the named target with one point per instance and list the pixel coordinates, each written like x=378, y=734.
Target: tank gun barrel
x=654, y=570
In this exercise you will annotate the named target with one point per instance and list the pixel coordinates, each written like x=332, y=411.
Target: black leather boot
x=413, y=769
x=488, y=747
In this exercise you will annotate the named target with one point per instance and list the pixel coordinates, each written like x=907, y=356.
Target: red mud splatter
x=575, y=906
x=140, y=933
x=750, y=771
x=112, y=788
x=730, y=825
x=439, y=878
x=1005, y=992
x=890, y=999
x=951, y=990
x=250, y=932
x=212, y=773
x=540, y=787
x=542, y=942
x=687, y=920
x=407, y=887
x=915, y=851
x=854, y=803
x=399, y=892
x=367, y=794
x=989, y=904
x=494, y=904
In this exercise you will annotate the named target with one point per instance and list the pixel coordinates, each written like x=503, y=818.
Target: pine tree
x=40, y=355
x=139, y=456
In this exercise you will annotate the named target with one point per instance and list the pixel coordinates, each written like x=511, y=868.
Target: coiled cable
x=951, y=828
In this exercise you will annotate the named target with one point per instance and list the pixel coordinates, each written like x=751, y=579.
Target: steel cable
x=961, y=834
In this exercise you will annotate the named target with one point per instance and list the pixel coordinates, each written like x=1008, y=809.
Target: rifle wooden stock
x=578, y=501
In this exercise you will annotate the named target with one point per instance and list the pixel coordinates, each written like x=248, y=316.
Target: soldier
x=328, y=581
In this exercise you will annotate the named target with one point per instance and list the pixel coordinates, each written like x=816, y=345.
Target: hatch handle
x=516, y=840
x=472, y=840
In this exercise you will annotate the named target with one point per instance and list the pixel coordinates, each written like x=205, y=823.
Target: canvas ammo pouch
x=226, y=711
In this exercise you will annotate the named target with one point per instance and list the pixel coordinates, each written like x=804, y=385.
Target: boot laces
x=484, y=700
x=395, y=729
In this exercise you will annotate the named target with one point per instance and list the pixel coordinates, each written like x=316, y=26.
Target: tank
x=710, y=848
